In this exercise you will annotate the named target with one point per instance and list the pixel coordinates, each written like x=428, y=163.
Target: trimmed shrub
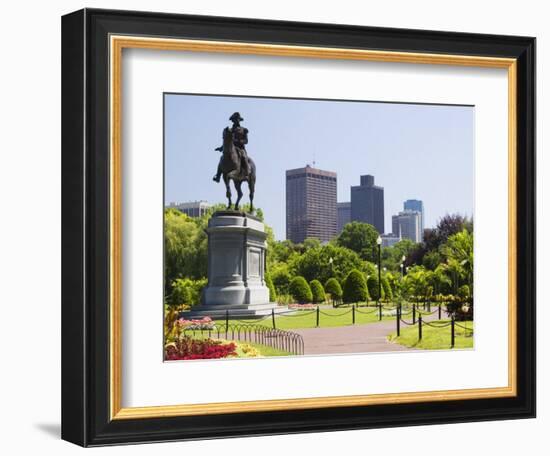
x=187, y=291
x=181, y=294
x=333, y=288
x=272, y=292
x=317, y=291
x=372, y=284
x=355, y=287
x=281, y=278
x=386, y=289
x=300, y=290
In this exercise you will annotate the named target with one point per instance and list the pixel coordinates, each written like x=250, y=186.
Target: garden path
x=366, y=338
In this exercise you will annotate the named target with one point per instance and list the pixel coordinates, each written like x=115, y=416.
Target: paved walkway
x=366, y=338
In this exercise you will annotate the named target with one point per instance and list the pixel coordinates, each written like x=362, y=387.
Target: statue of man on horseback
x=234, y=163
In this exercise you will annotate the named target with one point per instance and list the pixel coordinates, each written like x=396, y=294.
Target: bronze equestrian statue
x=235, y=164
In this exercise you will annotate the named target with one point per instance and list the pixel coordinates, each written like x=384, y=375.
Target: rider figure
x=240, y=139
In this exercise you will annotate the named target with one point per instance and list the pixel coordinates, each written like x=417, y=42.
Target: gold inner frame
x=117, y=44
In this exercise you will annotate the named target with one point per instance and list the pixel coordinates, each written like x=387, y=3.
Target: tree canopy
x=361, y=238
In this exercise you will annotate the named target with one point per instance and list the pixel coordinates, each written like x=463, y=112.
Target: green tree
x=300, y=290
x=311, y=243
x=315, y=263
x=317, y=291
x=181, y=293
x=415, y=283
x=185, y=248
x=281, y=278
x=333, y=288
x=459, y=250
x=372, y=283
x=386, y=289
x=361, y=238
x=392, y=257
x=187, y=291
x=439, y=280
x=432, y=260
x=355, y=287
x=271, y=287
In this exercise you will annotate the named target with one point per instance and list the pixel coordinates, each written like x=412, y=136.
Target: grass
x=328, y=318
x=435, y=338
x=262, y=350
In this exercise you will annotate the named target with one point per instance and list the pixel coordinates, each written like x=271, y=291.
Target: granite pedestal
x=236, y=268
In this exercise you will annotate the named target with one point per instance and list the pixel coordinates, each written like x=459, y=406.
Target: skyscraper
x=367, y=203
x=418, y=206
x=406, y=225
x=310, y=204
x=344, y=215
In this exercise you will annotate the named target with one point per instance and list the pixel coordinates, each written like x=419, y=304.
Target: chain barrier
x=366, y=313
x=439, y=325
x=335, y=315
x=409, y=324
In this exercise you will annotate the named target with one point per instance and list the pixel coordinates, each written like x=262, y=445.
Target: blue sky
x=414, y=151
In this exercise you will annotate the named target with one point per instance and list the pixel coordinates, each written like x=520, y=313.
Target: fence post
x=398, y=313
x=379, y=311
x=452, y=331
x=414, y=313
x=317, y=323
x=353, y=314
x=420, y=327
x=273, y=318
x=439, y=312
x=226, y=321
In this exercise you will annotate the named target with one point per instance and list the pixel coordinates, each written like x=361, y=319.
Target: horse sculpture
x=232, y=171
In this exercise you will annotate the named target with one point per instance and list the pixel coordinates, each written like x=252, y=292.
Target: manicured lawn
x=435, y=338
x=328, y=318
x=262, y=350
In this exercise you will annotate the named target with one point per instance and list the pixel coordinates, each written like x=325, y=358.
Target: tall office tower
x=310, y=204
x=344, y=215
x=406, y=225
x=367, y=203
x=418, y=206
x=192, y=208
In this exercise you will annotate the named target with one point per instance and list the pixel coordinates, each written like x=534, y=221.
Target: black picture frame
x=85, y=225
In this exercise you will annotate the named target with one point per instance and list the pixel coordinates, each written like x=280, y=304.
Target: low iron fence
x=279, y=339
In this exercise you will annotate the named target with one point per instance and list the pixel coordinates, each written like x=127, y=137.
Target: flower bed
x=188, y=348
x=202, y=323
x=302, y=306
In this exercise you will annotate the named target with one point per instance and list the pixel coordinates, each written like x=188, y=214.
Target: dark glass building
x=344, y=215
x=367, y=203
x=310, y=204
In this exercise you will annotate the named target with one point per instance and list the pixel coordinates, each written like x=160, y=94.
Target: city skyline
x=433, y=150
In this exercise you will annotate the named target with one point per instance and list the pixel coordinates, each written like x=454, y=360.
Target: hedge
x=355, y=287
x=333, y=288
x=317, y=291
x=300, y=290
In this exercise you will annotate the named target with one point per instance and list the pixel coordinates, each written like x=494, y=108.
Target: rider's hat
x=236, y=117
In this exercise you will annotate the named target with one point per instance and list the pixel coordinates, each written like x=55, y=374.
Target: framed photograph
x=278, y=227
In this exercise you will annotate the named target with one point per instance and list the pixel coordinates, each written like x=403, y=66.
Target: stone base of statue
x=236, y=269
